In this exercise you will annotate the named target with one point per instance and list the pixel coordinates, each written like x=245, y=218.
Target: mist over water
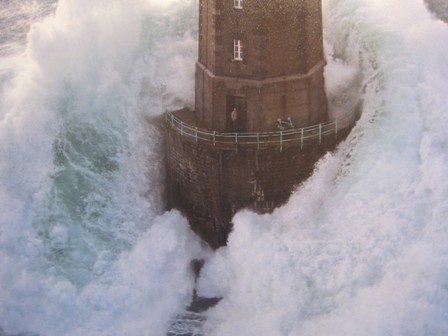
x=85, y=245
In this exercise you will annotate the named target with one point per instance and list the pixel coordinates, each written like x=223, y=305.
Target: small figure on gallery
x=234, y=118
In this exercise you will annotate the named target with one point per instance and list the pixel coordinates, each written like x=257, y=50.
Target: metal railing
x=262, y=139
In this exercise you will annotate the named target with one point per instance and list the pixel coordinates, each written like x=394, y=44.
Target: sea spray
x=84, y=244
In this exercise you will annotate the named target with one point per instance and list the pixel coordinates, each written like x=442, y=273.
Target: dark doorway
x=239, y=103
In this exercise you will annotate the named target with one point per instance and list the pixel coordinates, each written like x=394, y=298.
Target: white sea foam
x=360, y=249
x=85, y=248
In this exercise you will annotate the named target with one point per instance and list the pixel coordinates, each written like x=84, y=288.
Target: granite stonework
x=209, y=184
x=276, y=74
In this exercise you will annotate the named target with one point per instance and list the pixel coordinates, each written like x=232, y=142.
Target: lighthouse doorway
x=239, y=103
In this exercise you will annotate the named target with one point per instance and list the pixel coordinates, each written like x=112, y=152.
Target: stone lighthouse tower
x=260, y=121
x=264, y=58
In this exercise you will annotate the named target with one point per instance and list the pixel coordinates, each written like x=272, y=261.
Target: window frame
x=238, y=4
x=237, y=50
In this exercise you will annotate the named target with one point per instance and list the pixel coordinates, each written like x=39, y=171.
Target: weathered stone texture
x=281, y=73
x=302, y=98
x=279, y=38
x=280, y=76
x=210, y=184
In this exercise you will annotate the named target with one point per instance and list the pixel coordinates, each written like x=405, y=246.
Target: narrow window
x=238, y=4
x=237, y=50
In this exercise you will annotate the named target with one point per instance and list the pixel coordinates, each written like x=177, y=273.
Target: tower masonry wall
x=280, y=73
x=265, y=60
x=210, y=183
x=299, y=97
x=279, y=38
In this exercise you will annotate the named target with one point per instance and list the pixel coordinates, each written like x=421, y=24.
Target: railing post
x=336, y=128
x=301, y=138
x=320, y=134
x=281, y=141
x=185, y=129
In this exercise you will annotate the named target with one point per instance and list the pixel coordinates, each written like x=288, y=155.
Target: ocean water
x=86, y=247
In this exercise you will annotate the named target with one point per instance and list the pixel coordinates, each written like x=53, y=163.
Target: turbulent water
x=85, y=245
x=85, y=248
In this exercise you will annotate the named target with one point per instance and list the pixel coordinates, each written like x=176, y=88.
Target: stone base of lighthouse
x=211, y=176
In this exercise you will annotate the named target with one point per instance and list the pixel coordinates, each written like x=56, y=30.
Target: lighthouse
x=260, y=121
x=264, y=58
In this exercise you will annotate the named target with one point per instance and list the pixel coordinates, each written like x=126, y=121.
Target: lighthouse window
x=237, y=50
x=238, y=4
